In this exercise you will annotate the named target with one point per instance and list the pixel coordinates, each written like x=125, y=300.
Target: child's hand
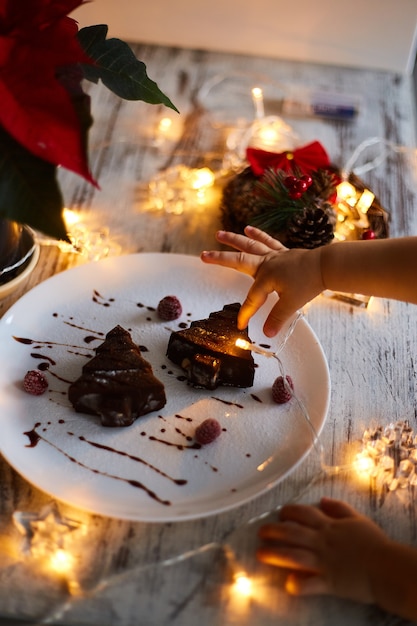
x=327, y=550
x=293, y=274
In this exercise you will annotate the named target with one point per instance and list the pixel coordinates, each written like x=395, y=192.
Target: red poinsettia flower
x=37, y=40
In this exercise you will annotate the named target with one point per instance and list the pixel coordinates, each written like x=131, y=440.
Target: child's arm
x=384, y=268
x=332, y=549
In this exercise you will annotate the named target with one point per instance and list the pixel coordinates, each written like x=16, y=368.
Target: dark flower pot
x=10, y=235
x=17, y=247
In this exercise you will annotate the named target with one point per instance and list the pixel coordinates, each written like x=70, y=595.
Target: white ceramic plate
x=136, y=472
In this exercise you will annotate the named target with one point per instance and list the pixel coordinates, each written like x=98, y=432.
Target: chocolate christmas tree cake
x=207, y=351
x=117, y=384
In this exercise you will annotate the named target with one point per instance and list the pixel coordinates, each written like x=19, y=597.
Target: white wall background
x=378, y=34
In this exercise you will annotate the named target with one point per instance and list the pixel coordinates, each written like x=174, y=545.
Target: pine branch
x=277, y=204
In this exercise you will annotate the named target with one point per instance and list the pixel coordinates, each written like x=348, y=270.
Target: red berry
x=207, y=431
x=169, y=308
x=301, y=185
x=35, y=382
x=295, y=195
x=368, y=234
x=280, y=392
x=290, y=181
x=307, y=179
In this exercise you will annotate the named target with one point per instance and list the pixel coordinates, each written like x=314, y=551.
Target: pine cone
x=309, y=229
x=239, y=203
x=329, y=211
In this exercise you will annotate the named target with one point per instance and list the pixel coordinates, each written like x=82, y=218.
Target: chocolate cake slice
x=207, y=351
x=117, y=384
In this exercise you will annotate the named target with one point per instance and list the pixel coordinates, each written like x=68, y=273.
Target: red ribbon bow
x=306, y=159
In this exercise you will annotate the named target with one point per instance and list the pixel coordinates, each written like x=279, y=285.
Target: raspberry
x=280, y=392
x=35, y=382
x=368, y=234
x=207, y=431
x=169, y=308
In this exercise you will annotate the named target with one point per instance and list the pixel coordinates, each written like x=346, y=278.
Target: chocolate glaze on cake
x=117, y=384
x=208, y=354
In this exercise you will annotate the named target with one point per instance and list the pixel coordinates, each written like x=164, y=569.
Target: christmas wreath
x=292, y=195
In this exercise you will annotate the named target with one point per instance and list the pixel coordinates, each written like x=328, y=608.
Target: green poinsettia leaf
x=29, y=191
x=118, y=68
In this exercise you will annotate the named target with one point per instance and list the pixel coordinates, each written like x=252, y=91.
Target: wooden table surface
x=147, y=574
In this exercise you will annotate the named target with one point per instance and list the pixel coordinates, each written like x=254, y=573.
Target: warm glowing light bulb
x=365, y=201
x=363, y=464
x=202, y=178
x=165, y=124
x=245, y=345
x=70, y=217
x=258, y=101
x=61, y=561
x=269, y=135
x=243, y=584
x=346, y=191
x=257, y=93
x=165, y=130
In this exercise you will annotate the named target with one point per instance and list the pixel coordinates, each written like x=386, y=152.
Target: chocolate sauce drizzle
x=99, y=299
x=35, y=437
x=228, y=402
x=35, y=355
x=44, y=343
x=132, y=457
x=97, y=336
x=179, y=446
